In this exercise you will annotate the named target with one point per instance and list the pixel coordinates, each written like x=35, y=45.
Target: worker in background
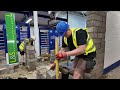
x=22, y=47
x=80, y=45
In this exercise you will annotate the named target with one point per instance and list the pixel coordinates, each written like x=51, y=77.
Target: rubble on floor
x=23, y=72
x=41, y=72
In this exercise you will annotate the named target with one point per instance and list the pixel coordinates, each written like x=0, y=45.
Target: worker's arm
x=80, y=50
x=62, y=50
x=81, y=37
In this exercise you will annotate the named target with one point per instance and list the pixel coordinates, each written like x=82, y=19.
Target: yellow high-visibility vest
x=21, y=46
x=90, y=47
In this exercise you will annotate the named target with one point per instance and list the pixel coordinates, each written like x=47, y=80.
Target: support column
x=36, y=33
x=96, y=24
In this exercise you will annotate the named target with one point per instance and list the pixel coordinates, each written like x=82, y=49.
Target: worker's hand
x=52, y=66
x=61, y=55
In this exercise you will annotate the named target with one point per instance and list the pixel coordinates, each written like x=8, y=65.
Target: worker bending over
x=80, y=45
x=22, y=47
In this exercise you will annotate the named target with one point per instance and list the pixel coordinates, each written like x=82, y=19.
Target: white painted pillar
x=36, y=33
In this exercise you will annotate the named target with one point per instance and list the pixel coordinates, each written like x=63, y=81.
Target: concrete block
x=88, y=24
x=95, y=35
x=103, y=13
x=99, y=55
x=98, y=46
x=92, y=29
x=32, y=64
x=100, y=50
x=102, y=45
x=103, y=40
x=39, y=75
x=91, y=35
x=96, y=41
x=94, y=23
x=41, y=72
x=104, y=24
x=30, y=52
x=101, y=29
x=30, y=56
x=51, y=75
x=92, y=12
x=101, y=35
x=104, y=19
x=29, y=47
x=94, y=17
x=99, y=61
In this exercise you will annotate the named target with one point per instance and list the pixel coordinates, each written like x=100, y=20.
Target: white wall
x=112, y=38
x=75, y=20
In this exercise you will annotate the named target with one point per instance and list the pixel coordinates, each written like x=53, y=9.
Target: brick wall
x=96, y=24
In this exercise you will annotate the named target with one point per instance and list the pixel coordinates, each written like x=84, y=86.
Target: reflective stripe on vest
x=21, y=47
x=90, y=47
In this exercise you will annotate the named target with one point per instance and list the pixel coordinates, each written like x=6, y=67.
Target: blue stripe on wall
x=111, y=67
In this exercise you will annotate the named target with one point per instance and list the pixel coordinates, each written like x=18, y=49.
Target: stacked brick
x=96, y=24
x=31, y=60
x=30, y=52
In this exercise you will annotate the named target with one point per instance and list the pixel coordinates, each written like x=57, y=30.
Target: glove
x=61, y=55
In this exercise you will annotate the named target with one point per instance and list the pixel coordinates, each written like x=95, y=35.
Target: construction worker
x=80, y=45
x=22, y=47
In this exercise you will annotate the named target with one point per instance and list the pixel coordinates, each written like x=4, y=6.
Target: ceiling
x=43, y=16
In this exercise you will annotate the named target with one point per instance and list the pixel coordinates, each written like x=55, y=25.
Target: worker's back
x=22, y=46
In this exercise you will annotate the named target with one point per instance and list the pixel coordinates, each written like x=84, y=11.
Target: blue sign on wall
x=52, y=35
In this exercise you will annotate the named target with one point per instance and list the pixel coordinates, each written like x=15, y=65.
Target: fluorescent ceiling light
x=49, y=12
x=29, y=19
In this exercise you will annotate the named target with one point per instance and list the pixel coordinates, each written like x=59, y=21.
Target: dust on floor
x=114, y=74
x=24, y=73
